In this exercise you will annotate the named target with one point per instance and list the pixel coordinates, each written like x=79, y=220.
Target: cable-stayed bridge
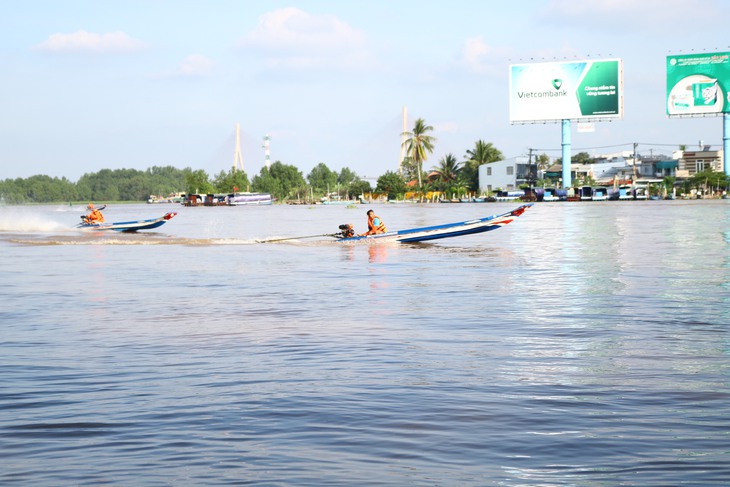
x=381, y=148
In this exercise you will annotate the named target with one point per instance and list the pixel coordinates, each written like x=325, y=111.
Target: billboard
x=571, y=90
x=698, y=84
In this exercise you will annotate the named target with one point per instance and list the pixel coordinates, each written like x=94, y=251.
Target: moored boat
x=512, y=195
x=600, y=193
x=550, y=195
x=242, y=199
x=336, y=200
x=170, y=198
x=586, y=193
x=624, y=193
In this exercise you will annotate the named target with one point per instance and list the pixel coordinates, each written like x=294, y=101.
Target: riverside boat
x=508, y=196
x=586, y=193
x=550, y=195
x=625, y=193
x=447, y=230
x=242, y=199
x=131, y=226
x=600, y=194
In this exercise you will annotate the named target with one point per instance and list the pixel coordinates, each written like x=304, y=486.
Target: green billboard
x=698, y=84
x=573, y=90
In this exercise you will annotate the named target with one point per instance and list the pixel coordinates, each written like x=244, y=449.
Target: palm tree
x=418, y=145
x=483, y=153
x=448, y=168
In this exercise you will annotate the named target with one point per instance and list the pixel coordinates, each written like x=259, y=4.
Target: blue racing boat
x=422, y=234
x=131, y=226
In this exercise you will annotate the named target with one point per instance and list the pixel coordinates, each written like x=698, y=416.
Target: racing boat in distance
x=131, y=226
x=422, y=234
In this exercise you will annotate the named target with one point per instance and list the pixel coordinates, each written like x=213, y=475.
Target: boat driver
x=94, y=215
x=375, y=224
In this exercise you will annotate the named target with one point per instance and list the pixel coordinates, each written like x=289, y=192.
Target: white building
x=505, y=175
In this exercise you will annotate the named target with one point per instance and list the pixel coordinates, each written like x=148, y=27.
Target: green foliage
x=447, y=173
x=165, y=180
x=265, y=182
x=346, y=177
x=418, y=145
x=231, y=181
x=351, y=184
x=100, y=186
x=409, y=169
x=686, y=186
x=282, y=181
x=458, y=187
x=709, y=180
x=482, y=153
x=322, y=179
x=581, y=158
x=359, y=187
x=196, y=182
x=129, y=184
x=105, y=185
x=391, y=183
x=37, y=189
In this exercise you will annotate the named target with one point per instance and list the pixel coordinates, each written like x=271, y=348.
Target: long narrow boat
x=247, y=199
x=132, y=226
x=447, y=230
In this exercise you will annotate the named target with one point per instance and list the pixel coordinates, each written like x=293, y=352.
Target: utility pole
x=532, y=175
x=634, y=159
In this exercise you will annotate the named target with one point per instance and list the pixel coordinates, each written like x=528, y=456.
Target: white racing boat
x=131, y=226
x=447, y=230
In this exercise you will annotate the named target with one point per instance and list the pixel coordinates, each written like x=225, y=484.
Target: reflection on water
x=584, y=344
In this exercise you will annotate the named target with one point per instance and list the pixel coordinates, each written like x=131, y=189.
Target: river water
x=585, y=344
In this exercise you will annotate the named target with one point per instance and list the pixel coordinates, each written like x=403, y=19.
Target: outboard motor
x=346, y=231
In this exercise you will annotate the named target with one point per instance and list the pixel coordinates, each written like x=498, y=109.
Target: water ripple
x=583, y=345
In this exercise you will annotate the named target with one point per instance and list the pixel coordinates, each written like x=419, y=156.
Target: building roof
x=670, y=164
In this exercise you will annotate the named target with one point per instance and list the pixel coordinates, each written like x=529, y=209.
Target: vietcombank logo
x=556, y=92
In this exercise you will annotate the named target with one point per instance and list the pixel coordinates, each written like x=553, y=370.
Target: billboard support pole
x=567, y=183
x=726, y=142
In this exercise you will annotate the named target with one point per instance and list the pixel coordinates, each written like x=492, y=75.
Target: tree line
x=283, y=181
x=286, y=182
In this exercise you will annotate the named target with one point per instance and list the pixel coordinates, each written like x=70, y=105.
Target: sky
x=102, y=84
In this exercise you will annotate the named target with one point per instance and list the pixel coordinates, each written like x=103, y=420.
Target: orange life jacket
x=95, y=216
x=372, y=228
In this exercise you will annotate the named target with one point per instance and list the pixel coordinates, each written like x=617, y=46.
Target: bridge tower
x=403, y=140
x=238, y=156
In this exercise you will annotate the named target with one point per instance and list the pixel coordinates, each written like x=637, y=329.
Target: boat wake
x=124, y=240
x=22, y=222
x=146, y=238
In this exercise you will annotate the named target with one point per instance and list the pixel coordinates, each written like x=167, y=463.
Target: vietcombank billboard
x=698, y=84
x=566, y=91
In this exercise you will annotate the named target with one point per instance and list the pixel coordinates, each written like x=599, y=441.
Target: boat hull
x=249, y=199
x=131, y=226
x=449, y=230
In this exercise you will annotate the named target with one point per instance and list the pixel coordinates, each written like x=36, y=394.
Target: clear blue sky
x=89, y=85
